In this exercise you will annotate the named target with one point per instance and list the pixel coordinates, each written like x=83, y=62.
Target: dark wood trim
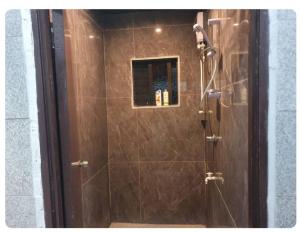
x=48, y=123
x=258, y=117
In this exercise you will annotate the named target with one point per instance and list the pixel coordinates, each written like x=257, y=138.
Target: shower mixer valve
x=218, y=176
x=213, y=93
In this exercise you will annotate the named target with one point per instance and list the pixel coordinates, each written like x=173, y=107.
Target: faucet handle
x=219, y=174
x=209, y=174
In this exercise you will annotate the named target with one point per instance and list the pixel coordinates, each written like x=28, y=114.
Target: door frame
x=49, y=135
x=53, y=115
x=258, y=118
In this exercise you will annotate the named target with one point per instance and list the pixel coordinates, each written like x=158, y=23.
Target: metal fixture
x=80, y=163
x=219, y=174
x=206, y=49
x=209, y=176
x=213, y=138
x=217, y=20
x=203, y=112
x=213, y=93
x=198, y=28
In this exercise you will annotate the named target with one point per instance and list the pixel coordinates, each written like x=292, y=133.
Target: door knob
x=80, y=163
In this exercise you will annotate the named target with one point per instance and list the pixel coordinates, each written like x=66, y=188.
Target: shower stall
x=153, y=116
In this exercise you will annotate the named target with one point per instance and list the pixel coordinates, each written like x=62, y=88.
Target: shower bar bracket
x=213, y=138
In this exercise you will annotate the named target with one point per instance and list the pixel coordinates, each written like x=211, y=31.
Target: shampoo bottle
x=166, y=97
x=158, y=97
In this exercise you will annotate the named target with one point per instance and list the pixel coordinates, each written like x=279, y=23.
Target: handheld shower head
x=210, y=50
x=198, y=28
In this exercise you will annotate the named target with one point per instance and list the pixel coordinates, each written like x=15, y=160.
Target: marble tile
x=88, y=58
x=118, y=20
x=92, y=120
x=88, y=118
x=96, y=200
x=217, y=213
x=18, y=166
x=148, y=43
x=189, y=75
x=171, y=134
x=164, y=17
x=124, y=188
x=13, y=23
x=172, y=193
x=122, y=130
x=118, y=52
x=96, y=153
x=20, y=211
x=235, y=175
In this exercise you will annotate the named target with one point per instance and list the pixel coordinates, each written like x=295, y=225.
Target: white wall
x=282, y=119
x=23, y=186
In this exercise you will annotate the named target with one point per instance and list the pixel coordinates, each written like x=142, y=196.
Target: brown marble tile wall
x=87, y=94
x=156, y=156
x=228, y=203
x=172, y=192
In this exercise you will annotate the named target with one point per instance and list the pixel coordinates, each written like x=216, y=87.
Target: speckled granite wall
x=23, y=186
x=282, y=119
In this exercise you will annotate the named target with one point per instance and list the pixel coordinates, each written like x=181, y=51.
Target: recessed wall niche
x=155, y=81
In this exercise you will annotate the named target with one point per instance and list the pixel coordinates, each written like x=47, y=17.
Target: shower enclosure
x=116, y=157
x=225, y=110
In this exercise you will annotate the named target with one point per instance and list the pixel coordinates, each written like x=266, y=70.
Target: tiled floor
x=141, y=225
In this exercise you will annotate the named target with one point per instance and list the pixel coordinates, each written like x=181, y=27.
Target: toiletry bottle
x=243, y=95
x=158, y=97
x=166, y=97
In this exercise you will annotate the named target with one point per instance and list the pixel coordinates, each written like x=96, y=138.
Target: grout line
x=18, y=118
x=133, y=38
x=137, y=126
x=108, y=157
x=93, y=176
x=287, y=110
x=139, y=163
